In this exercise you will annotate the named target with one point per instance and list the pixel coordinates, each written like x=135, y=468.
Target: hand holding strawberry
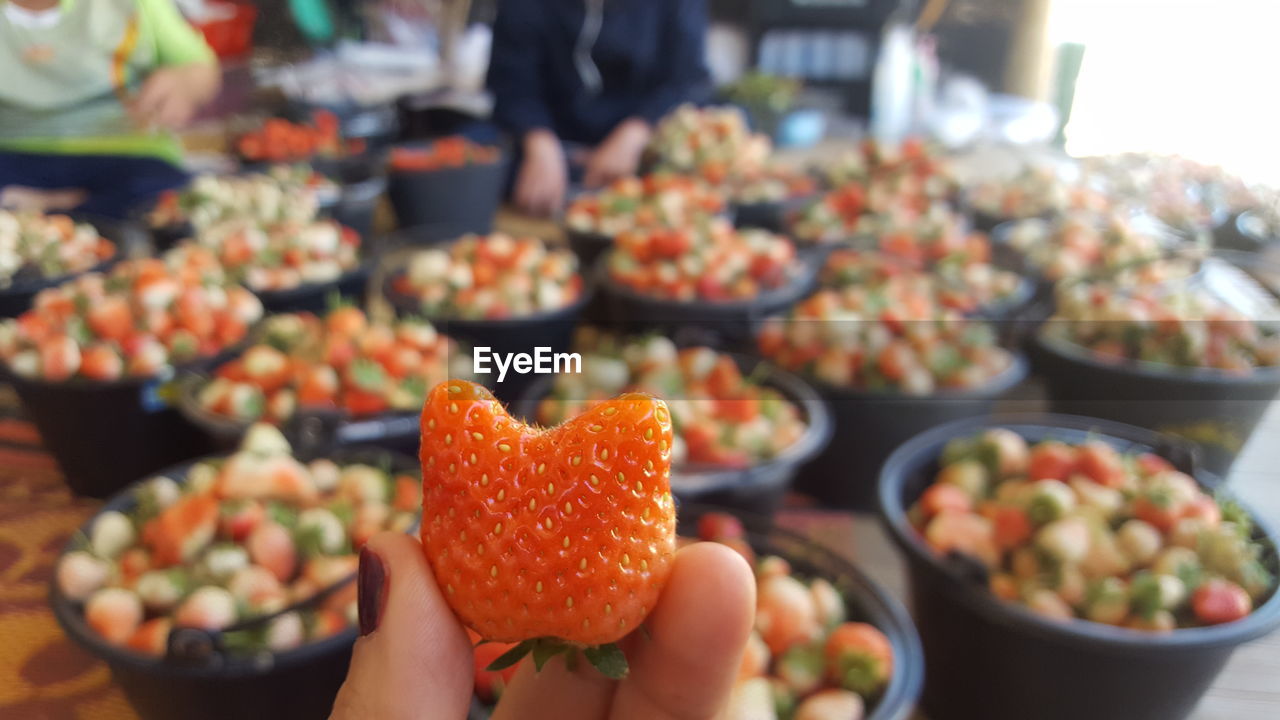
x=414, y=659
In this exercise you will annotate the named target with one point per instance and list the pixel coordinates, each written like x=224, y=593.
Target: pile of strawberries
x=806, y=658
x=965, y=287
x=724, y=418
x=490, y=277
x=238, y=539
x=141, y=319
x=714, y=262
x=279, y=140
x=660, y=199
x=450, y=152
x=1084, y=531
x=343, y=361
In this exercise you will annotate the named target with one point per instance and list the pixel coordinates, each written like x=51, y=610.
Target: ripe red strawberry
x=556, y=539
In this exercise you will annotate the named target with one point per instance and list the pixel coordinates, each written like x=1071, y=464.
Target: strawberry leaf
x=544, y=649
x=608, y=659
x=511, y=657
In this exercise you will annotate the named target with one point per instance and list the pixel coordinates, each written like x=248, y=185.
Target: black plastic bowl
x=315, y=297
x=127, y=236
x=552, y=329
x=759, y=489
x=869, y=425
x=1217, y=410
x=362, y=181
x=106, y=434
x=774, y=216
x=865, y=601
x=989, y=659
x=299, y=684
x=730, y=323
x=588, y=245
x=467, y=196
x=397, y=431
x=165, y=237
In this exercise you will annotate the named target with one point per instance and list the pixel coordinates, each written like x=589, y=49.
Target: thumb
x=413, y=659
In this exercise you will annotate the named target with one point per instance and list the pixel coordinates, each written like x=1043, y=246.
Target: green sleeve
x=177, y=43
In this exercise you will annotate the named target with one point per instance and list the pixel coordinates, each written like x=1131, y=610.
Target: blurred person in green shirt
x=90, y=91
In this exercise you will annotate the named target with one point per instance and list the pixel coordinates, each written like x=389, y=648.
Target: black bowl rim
x=362, y=271
x=589, y=236
x=899, y=698
x=818, y=430
x=800, y=285
x=1067, y=351
x=191, y=382
x=73, y=623
x=782, y=204
x=893, y=475
x=33, y=286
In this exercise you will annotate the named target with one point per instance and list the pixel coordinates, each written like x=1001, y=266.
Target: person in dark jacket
x=583, y=82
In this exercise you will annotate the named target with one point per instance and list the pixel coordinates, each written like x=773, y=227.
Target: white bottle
x=892, y=83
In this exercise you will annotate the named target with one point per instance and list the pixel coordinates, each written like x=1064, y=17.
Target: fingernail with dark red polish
x=371, y=584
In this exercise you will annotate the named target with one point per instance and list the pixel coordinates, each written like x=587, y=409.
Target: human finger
x=685, y=666
x=413, y=659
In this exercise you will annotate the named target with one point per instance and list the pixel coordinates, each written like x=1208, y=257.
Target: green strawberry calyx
x=607, y=659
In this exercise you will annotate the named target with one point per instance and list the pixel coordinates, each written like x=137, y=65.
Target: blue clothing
x=546, y=72
x=116, y=185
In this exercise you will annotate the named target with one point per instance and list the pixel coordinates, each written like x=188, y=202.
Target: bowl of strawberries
x=890, y=361
x=279, y=140
x=661, y=199
x=745, y=427
x=39, y=251
x=828, y=642
x=224, y=587
x=766, y=197
x=290, y=265
x=92, y=358
x=509, y=295
x=318, y=144
x=447, y=180
x=373, y=375
x=266, y=196
x=1079, y=554
x=709, y=276
x=1159, y=345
